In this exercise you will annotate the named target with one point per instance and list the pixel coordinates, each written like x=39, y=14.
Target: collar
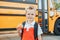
x=31, y=23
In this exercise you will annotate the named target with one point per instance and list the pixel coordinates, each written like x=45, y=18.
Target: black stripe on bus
x=7, y=29
x=6, y=7
x=22, y=2
x=14, y=15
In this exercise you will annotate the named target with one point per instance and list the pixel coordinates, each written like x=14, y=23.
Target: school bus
x=12, y=12
x=49, y=16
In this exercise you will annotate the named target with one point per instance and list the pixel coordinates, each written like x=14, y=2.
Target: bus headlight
x=51, y=14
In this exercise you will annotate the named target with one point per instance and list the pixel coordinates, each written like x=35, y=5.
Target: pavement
x=13, y=35
x=51, y=37
x=9, y=37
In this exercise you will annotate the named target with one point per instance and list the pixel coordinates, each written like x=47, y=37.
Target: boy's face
x=30, y=15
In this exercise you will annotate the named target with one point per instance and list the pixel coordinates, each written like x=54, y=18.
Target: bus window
x=51, y=4
x=34, y=1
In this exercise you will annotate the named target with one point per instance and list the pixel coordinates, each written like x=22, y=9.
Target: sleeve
x=39, y=30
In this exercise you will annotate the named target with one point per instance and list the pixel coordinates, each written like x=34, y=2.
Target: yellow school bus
x=12, y=12
x=49, y=16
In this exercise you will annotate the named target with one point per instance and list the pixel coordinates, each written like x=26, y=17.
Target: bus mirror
x=51, y=14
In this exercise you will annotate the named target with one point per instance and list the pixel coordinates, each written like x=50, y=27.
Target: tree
x=57, y=5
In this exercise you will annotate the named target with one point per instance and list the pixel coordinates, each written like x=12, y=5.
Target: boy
x=30, y=30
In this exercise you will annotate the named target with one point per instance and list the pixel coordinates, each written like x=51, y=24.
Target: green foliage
x=57, y=5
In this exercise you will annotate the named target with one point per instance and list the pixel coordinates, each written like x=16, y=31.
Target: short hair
x=30, y=8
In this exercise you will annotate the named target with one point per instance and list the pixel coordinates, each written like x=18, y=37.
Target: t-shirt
x=28, y=33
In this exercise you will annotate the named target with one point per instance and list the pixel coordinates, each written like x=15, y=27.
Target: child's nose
x=30, y=15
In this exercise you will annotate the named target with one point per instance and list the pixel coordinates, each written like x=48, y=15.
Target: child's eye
x=28, y=14
x=32, y=14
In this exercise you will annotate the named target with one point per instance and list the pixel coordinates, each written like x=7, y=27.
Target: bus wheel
x=57, y=27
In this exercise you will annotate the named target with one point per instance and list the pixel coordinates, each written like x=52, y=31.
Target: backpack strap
x=36, y=31
x=22, y=30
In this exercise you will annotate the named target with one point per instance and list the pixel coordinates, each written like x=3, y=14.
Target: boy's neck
x=30, y=21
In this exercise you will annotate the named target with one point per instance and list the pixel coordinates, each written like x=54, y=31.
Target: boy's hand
x=19, y=27
x=39, y=37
